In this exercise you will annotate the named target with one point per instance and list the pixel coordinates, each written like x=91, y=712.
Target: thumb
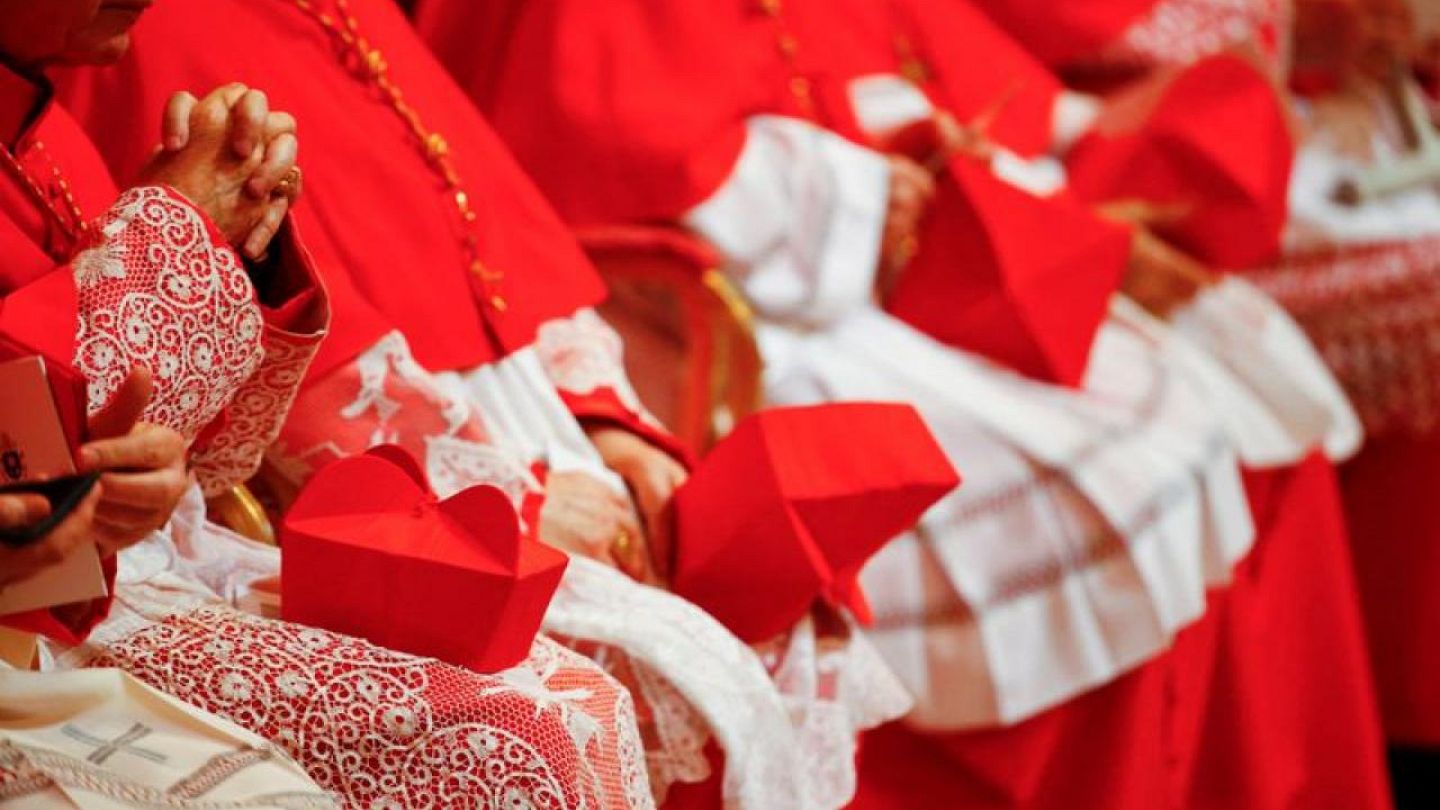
x=125, y=407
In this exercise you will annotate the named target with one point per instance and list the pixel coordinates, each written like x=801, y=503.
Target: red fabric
x=1292, y=720
x=1060, y=32
x=1130, y=745
x=631, y=96
x=991, y=77
x=1390, y=491
x=1216, y=146
x=418, y=571
x=37, y=297
x=780, y=515
x=585, y=91
x=388, y=238
x=603, y=407
x=1264, y=704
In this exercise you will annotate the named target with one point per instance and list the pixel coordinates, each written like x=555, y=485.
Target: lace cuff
x=584, y=358
x=160, y=287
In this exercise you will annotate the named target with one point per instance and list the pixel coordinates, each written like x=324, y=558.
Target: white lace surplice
x=692, y=678
x=1090, y=524
x=555, y=732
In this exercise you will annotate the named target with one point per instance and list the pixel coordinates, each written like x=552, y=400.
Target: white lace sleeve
x=162, y=289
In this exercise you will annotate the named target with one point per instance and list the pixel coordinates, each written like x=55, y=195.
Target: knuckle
x=210, y=113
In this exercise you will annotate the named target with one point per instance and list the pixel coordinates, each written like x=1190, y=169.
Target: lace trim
x=160, y=291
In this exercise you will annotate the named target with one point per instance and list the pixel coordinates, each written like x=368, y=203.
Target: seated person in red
x=463, y=331
x=779, y=156
x=155, y=278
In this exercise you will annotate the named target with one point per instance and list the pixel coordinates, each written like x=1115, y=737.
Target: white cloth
x=101, y=740
x=775, y=755
x=696, y=678
x=1091, y=523
x=1268, y=384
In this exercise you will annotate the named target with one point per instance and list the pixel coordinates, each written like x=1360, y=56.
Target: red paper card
x=789, y=507
x=370, y=552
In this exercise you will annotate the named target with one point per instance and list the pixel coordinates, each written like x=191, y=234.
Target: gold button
x=789, y=45
x=436, y=146
x=498, y=303
x=800, y=86
x=375, y=61
x=771, y=7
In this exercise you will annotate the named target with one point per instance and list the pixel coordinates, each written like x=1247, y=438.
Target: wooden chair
x=689, y=335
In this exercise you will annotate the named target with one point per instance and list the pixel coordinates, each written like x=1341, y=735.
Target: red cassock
x=498, y=262
x=1059, y=33
x=37, y=289
x=659, y=145
x=584, y=92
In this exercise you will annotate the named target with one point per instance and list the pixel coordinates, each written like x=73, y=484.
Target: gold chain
x=368, y=64
x=71, y=221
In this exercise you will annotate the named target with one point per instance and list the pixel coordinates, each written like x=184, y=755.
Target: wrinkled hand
x=74, y=531
x=584, y=516
x=653, y=476
x=142, y=468
x=1162, y=278
x=912, y=188
x=234, y=158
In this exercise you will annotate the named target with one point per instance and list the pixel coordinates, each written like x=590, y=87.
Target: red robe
x=368, y=251
x=584, y=91
x=38, y=303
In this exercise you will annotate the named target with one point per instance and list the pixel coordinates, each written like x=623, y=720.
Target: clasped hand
x=235, y=158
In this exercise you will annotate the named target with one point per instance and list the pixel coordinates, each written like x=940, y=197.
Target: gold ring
x=622, y=546
x=289, y=183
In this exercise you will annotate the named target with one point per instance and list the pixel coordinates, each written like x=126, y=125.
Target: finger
x=281, y=154
x=264, y=231
x=22, y=509
x=74, y=531
x=149, y=448
x=210, y=119
x=120, y=415
x=155, y=490
x=175, y=124
x=247, y=122
x=280, y=123
x=662, y=542
x=125, y=523
x=228, y=95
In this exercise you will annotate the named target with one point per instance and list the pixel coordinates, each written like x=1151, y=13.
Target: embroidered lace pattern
x=1180, y=32
x=158, y=290
x=256, y=414
x=1373, y=311
x=385, y=397
x=584, y=356
x=388, y=730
